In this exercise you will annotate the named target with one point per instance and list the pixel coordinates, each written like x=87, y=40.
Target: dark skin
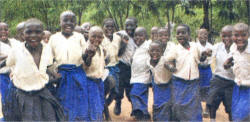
x=155, y=52
x=33, y=34
x=4, y=33
x=140, y=36
x=95, y=38
x=68, y=23
x=130, y=26
x=85, y=30
x=109, y=29
x=203, y=36
x=226, y=36
x=163, y=36
x=154, y=34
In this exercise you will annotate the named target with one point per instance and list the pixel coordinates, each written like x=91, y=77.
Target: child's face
x=226, y=36
x=154, y=34
x=240, y=38
x=68, y=23
x=96, y=38
x=33, y=34
x=109, y=28
x=163, y=36
x=182, y=35
x=155, y=52
x=130, y=27
x=140, y=36
x=46, y=37
x=4, y=32
x=203, y=35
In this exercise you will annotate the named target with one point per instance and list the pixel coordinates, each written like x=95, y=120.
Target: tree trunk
x=206, y=15
x=248, y=13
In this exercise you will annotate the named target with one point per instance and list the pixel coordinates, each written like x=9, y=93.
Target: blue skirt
x=139, y=98
x=162, y=102
x=205, y=76
x=72, y=93
x=186, y=104
x=114, y=72
x=241, y=103
x=5, y=81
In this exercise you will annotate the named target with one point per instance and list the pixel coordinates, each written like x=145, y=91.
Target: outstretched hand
x=229, y=62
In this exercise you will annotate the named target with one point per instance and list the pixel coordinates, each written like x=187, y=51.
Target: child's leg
x=227, y=101
x=139, y=99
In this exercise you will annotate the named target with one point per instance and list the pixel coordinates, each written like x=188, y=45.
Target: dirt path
x=126, y=110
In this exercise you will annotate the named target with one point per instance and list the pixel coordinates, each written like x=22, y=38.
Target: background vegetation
x=209, y=14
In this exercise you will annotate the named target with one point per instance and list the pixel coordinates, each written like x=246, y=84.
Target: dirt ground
x=126, y=110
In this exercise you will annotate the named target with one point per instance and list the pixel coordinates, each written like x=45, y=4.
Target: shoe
x=117, y=109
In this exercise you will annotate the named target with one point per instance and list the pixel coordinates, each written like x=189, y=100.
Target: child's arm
x=229, y=63
x=107, y=57
x=123, y=44
x=170, y=65
x=89, y=53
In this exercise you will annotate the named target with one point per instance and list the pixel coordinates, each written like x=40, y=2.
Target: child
x=204, y=67
x=68, y=48
x=221, y=85
x=19, y=30
x=154, y=31
x=125, y=56
x=161, y=83
x=46, y=36
x=164, y=36
x=85, y=30
x=94, y=62
x=140, y=76
x=240, y=61
x=110, y=44
x=185, y=85
x=29, y=100
x=5, y=47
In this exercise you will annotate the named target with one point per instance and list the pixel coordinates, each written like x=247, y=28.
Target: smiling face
x=226, y=36
x=240, y=37
x=109, y=28
x=33, y=34
x=163, y=35
x=68, y=23
x=155, y=51
x=4, y=32
x=96, y=36
x=154, y=33
x=140, y=36
x=130, y=26
x=203, y=36
x=182, y=35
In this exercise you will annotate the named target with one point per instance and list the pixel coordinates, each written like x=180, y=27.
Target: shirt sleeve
x=11, y=60
x=171, y=55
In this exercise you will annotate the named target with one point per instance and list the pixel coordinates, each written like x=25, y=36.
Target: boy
x=240, y=62
x=68, y=48
x=161, y=79
x=164, y=37
x=94, y=63
x=85, y=30
x=204, y=67
x=153, y=34
x=221, y=85
x=185, y=85
x=46, y=36
x=29, y=100
x=125, y=54
x=140, y=76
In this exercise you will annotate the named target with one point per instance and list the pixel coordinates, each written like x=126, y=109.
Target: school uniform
x=125, y=68
x=111, y=69
x=185, y=84
x=221, y=85
x=161, y=83
x=205, y=71
x=5, y=71
x=95, y=85
x=28, y=99
x=140, y=81
x=241, y=91
x=71, y=88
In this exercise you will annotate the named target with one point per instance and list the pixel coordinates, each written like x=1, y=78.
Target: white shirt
x=68, y=50
x=160, y=74
x=186, y=61
x=96, y=68
x=112, y=48
x=129, y=51
x=221, y=56
x=5, y=49
x=241, y=66
x=139, y=69
x=202, y=48
x=169, y=46
x=26, y=75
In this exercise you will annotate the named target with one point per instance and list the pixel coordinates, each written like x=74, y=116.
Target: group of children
x=76, y=73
